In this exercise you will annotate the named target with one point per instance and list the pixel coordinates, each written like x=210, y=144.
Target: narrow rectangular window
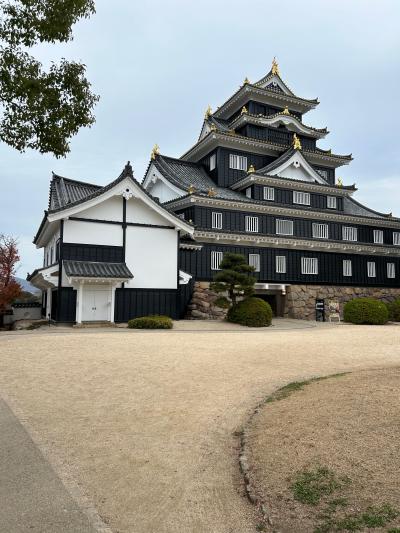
x=320, y=231
x=252, y=224
x=216, y=258
x=378, y=236
x=331, y=202
x=269, y=193
x=280, y=264
x=301, y=198
x=396, y=238
x=284, y=227
x=347, y=268
x=349, y=233
x=309, y=265
x=391, y=270
x=237, y=162
x=213, y=160
x=216, y=220
x=254, y=261
x=248, y=192
x=371, y=269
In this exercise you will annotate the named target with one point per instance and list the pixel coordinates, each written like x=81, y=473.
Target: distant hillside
x=26, y=286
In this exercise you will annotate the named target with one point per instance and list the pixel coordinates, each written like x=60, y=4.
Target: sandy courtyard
x=143, y=422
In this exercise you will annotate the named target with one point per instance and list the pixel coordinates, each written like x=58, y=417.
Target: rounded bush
x=252, y=312
x=365, y=311
x=151, y=322
x=394, y=310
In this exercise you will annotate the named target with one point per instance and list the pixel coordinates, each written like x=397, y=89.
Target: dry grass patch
x=326, y=456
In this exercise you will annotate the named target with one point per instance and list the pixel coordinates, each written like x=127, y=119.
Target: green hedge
x=151, y=322
x=366, y=311
x=394, y=310
x=252, y=312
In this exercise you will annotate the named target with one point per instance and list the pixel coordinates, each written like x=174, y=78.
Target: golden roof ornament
x=251, y=169
x=208, y=112
x=275, y=67
x=213, y=127
x=155, y=151
x=246, y=80
x=296, y=142
x=211, y=192
x=339, y=182
x=286, y=111
x=244, y=110
x=191, y=189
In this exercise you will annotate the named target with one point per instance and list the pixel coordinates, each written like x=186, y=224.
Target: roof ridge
x=75, y=181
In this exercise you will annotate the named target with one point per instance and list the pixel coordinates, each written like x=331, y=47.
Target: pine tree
x=234, y=277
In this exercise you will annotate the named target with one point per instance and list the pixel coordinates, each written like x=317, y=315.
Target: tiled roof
x=91, y=269
x=265, y=171
x=64, y=191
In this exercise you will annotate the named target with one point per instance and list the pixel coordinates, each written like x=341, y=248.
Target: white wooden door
x=96, y=305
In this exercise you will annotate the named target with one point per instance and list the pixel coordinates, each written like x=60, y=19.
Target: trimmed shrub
x=151, y=322
x=394, y=310
x=365, y=311
x=222, y=302
x=252, y=312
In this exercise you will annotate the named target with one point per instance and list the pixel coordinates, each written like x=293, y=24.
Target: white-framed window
x=378, y=236
x=309, y=265
x=347, y=268
x=284, y=227
x=396, y=238
x=251, y=224
x=238, y=162
x=216, y=220
x=269, y=193
x=331, y=202
x=371, y=269
x=254, y=261
x=301, y=198
x=213, y=161
x=349, y=233
x=216, y=258
x=320, y=231
x=280, y=264
x=391, y=270
x=248, y=192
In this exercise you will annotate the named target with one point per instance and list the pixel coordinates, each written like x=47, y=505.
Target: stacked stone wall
x=202, y=303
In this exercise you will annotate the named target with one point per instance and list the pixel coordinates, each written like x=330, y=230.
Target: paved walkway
x=145, y=422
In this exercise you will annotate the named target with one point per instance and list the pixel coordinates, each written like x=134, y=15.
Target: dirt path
x=144, y=422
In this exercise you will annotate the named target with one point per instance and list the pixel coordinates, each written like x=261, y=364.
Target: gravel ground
x=144, y=423
x=347, y=424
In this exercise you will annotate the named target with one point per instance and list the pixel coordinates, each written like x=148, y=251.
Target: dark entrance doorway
x=271, y=299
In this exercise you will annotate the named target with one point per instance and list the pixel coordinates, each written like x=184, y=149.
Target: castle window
x=378, y=236
x=391, y=270
x=237, y=162
x=331, y=202
x=396, y=238
x=269, y=193
x=309, y=265
x=320, y=231
x=248, y=192
x=213, y=160
x=216, y=258
x=349, y=233
x=280, y=264
x=216, y=221
x=347, y=268
x=371, y=269
x=254, y=261
x=301, y=198
x=252, y=224
x=284, y=227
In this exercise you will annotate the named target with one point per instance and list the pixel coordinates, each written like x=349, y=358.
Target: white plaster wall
x=92, y=233
x=110, y=209
x=295, y=173
x=137, y=211
x=151, y=256
x=51, y=245
x=163, y=192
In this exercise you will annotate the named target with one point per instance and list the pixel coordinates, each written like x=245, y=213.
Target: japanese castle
x=254, y=183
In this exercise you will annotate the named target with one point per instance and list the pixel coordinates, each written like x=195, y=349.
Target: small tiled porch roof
x=91, y=269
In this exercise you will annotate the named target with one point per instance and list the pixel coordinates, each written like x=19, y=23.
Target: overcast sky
x=157, y=65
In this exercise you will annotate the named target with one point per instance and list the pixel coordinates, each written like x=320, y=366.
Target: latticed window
x=378, y=236
x=320, y=231
x=331, y=202
x=216, y=258
x=269, y=193
x=284, y=227
x=280, y=264
x=216, y=220
x=396, y=238
x=248, y=192
x=213, y=160
x=391, y=270
x=237, y=162
x=371, y=269
x=251, y=224
x=347, y=268
x=301, y=198
x=254, y=261
x=349, y=233
x=309, y=265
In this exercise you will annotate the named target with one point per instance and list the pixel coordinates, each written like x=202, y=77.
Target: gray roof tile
x=90, y=269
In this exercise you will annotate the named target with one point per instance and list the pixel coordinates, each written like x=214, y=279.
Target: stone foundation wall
x=201, y=305
x=300, y=299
